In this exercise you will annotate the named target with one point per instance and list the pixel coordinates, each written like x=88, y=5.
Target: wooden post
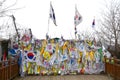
x=9, y=69
x=105, y=65
x=1, y=70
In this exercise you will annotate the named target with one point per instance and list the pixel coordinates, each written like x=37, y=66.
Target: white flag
x=77, y=18
x=52, y=14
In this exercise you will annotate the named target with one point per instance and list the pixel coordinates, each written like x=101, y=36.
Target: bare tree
x=6, y=10
x=110, y=24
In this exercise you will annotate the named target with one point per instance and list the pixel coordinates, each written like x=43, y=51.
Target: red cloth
x=4, y=56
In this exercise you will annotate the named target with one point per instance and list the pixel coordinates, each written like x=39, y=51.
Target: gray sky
x=35, y=13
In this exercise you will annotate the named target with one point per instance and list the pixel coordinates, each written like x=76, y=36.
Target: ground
x=66, y=77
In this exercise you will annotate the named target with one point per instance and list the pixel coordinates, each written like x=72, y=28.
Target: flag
x=93, y=23
x=77, y=17
x=52, y=14
x=4, y=56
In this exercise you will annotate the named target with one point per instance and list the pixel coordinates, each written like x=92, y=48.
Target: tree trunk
x=116, y=48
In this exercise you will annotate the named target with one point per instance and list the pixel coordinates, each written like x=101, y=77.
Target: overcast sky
x=34, y=14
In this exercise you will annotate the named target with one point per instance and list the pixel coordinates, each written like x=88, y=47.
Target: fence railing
x=112, y=67
x=8, y=69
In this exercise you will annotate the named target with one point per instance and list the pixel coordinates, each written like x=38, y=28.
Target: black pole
x=30, y=33
x=15, y=27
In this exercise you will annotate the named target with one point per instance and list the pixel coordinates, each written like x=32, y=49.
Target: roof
x=3, y=39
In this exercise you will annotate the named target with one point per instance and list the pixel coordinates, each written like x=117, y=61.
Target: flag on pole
x=52, y=14
x=93, y=23
x=77, y=17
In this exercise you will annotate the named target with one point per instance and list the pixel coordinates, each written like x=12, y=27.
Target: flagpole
x=48, y=25
x=75, y=24
x=93, y=27
x=48, y=22
x=52, y=16
x=71, y=35
x=75, y=32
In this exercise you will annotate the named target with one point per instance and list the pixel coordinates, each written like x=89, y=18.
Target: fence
x=8, y=69
x=112, y=67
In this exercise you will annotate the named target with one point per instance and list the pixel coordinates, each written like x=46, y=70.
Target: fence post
x=105, y=65
x=1, y=70
x=115, y=69
x=8, y=69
